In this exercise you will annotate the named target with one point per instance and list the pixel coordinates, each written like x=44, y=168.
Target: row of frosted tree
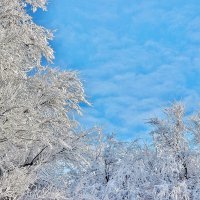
x=44, y=152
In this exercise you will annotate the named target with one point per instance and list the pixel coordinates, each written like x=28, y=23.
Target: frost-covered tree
x=160, y=171
x=43, y=153
x=167, y=169
x=93, y=183
x=38, y=133
x=172, y=155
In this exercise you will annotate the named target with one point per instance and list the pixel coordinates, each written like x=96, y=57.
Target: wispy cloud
x=135, y=56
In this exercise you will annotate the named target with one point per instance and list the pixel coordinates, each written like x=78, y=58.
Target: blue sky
x=134, y=56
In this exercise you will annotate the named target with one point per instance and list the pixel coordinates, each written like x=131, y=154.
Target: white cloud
x=135, y=56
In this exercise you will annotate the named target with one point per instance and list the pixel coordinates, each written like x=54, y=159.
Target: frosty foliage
x=45, y=155
x=38, y=133
x=169, y=169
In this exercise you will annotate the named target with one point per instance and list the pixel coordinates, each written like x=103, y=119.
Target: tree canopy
x=44, y=152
